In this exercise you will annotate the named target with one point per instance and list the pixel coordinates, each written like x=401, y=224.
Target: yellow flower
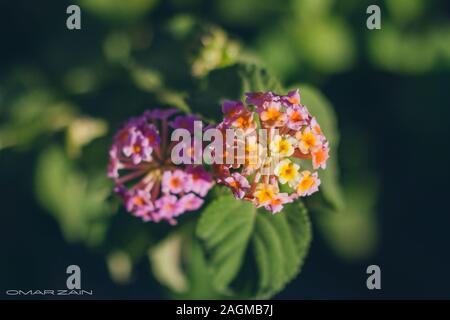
x=272, y=115
x=282, y=146
x=308, y=183
x=287, y=171
x=264, y=193
x=307, y=140
x=245, y=122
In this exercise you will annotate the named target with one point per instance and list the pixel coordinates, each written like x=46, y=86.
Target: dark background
x=399, y=117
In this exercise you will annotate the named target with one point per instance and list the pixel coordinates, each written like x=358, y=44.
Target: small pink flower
x=308, y=140
x=199, y=181
x=276, y=204
x=245, y=122
x=174, y=181
x=307, y=184
x=297, y=117
x=139, y=202
x=272, y=115
x=232, y=109
x=168, y=207
x=292, y=98
x=190, y=202
x=138, y=148
x=239, y=185
x=123, y=136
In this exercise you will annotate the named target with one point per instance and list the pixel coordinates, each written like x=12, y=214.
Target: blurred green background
x=63, y=94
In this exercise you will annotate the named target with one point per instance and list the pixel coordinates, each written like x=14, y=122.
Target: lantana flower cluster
x=151, y=186
x=273, y=170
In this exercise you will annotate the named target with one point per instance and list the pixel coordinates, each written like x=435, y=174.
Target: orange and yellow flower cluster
x=284, y=147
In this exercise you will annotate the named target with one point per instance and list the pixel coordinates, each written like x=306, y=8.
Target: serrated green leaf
x=226, y=245
x=280, y=245
x=230, y=229
x=271, y=243
x=320, y=108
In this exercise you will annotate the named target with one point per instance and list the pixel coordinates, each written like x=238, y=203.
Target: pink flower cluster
x=151, y=186
x=273, y=170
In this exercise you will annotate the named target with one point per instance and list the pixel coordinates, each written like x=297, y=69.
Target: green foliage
x=216, y=51
x=118, y=10
x=230, y=229
x=77, y=201
x=33, y=114
x=407, y=43
x=82, y=131
x=405, y=11
x=352, y=232
x=408, y=52
x=166, y=263
x=246, y=13
x=281, y=244
x=226, y=226
x=196, y=268
x=326, y=44
x=308, y=36
x=178, y=262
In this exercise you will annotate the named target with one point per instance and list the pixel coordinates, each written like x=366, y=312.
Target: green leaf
x=226, y=226
x=277, y=244
x=200, y=286
x=178, y=262
x=32, y=114
x=320, y=108
x=75, y=200
x=280, y=243
x=166, y=265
